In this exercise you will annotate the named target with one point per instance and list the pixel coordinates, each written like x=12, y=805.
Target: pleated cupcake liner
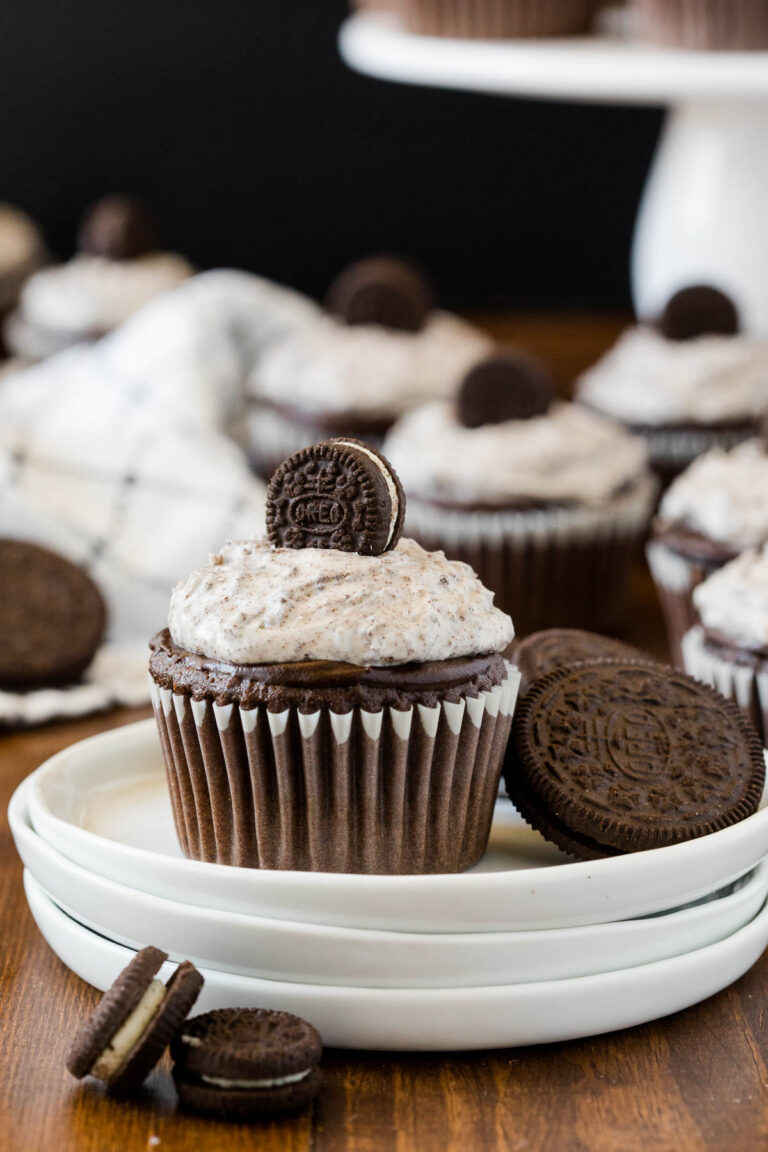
x=676, y=577
x=745, y=683
x=272, y=437
x=393, y=791
x=704, y=24
x=552, y=567
x=498, y=18
x=672, y=450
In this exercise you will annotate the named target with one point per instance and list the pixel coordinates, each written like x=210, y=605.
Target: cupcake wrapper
x=498, y=18
x=745, y=684
x=676, y=578
x=671, y=450
x=566, y=567
x=705, y=24
x=272, y=437
x=379, y=792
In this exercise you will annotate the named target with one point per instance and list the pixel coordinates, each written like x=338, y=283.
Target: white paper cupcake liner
x=272, y=437
x=744, y=683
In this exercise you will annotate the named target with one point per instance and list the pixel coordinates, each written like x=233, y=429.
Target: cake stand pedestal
x=704, y=215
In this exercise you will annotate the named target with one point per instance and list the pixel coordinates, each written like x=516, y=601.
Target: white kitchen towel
x=122, y=455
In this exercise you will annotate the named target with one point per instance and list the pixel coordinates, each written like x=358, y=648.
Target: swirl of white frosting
x=20, y=241
x=255, y=604
x=646, y=379
x=723, y=495
x=734, y=600
x=93, y=295
x=568, y=456
x=378, y=372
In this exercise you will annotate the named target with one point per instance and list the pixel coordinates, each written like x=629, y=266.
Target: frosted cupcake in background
x=332, y=697
x=709, y=25
x=22, y=252
x=117, y=270
x=381, y=349
x=691, y=383
x=547, y=501
x=729, y=648
x=715, y=510
x=486, y=19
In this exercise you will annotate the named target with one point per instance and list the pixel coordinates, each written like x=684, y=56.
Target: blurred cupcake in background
x=687, y=384
x=729, y=648
x=498, y=18
x=382, y=348
x=715, y=510
x=547, y=501
x=710, y=25
x=22, y=252
x=118, y=269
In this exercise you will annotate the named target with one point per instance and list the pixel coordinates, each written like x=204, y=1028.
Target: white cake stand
x=704, y=216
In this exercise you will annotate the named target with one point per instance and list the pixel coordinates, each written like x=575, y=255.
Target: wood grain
x=694, y=1082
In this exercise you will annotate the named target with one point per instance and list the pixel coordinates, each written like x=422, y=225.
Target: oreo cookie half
x=544, y=652
x=135, y=1021
x=700, y=310
x=247, y=1062
x=613, y=756
x=339, y=494
x=508, y=385
x=384, y=290
x=118, y=228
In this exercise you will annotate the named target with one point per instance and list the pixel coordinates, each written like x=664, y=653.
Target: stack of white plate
x=526, y=948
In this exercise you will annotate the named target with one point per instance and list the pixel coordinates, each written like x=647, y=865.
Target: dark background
x=238, y=121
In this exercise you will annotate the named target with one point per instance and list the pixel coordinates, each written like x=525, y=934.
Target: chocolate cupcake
x=545, y=500
x=709, y=25
x=116, y=272
x=729, y=648
x=333, y=698
x=381, y=349
x=498, y=19
x=687, y=384
x=714, y=511
x=22, y=252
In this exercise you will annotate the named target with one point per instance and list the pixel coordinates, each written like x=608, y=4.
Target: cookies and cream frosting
x=255, y=604
x=378, y=372
x=646, y=379
x=91, y=294
x=567, y=456
x=733, y=602
x=723, y=495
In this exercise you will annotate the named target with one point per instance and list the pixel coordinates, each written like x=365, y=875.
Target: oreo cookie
x=508, y=385
x=339, y=494
x=118, y=228
x=52, y=617
x=135, y=1021
x=700, y=310
x=247, y=1062
x=384, y=290
x=612, y=756
x=544, y=652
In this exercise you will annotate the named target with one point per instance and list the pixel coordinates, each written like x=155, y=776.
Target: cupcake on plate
x=116, y=272
x=22, y=252
x=498, y=19
x=715, y=510
x=547, y=501
x=381, y=349
x=690, y=383
x=729, y=648
x=711, y=25
x=333, y=698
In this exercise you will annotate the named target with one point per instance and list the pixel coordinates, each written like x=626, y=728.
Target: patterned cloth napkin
x=123, y=456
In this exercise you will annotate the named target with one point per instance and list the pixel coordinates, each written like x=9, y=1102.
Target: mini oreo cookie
x=52, y=617
x=699, y=311
x=613, y=756
x=247, y=1062
x=135, y=1021
x=544, y=652
x=384, y=290
x=118, y=228
x=508, y=385
x=339, y=494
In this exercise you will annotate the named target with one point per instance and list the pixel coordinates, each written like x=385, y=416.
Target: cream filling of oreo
x=394, y=503
x=114, y=1056
x=276, y=1082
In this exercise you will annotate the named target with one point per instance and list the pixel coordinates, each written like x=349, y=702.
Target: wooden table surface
x=695, y=1081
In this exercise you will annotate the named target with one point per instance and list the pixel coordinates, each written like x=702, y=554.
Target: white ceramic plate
x=316, y=954
x=449, y=1019
x=103, y=804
